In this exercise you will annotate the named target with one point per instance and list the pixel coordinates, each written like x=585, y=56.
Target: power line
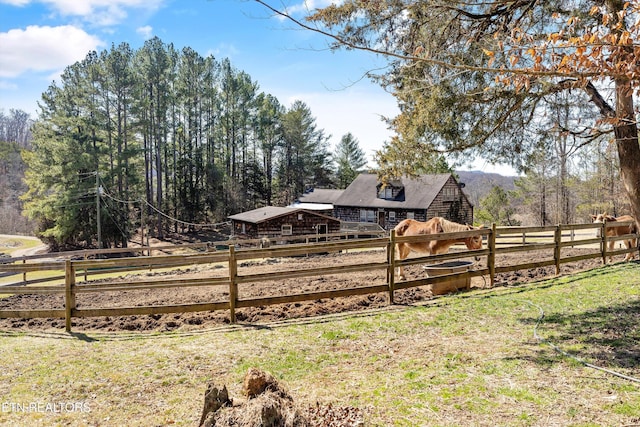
x=115, y=222
x=179, y=221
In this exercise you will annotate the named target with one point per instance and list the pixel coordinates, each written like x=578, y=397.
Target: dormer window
x=386, y=193
x=393, y=190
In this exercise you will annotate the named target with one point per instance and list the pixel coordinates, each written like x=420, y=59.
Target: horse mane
x=450, y=226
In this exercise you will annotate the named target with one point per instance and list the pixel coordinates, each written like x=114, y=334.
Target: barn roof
x=312, y=206
x=320, y=195
x=418, y=193
x=266, y=213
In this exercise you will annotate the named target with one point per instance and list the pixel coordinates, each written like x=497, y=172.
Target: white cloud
x=43, y=48
x=88, y=7
x=15, y=2
x=146, y=32
x=97, y=12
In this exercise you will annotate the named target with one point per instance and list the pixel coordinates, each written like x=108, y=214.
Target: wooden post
x=556, y=250
x=86, y=270
x=233, y=283
x=24, y=274
x=603, y=242
x=391, y=269
x=491, y=258
x=69, y=294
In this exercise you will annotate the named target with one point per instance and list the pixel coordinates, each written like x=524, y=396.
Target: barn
x=272, y=221
x=422, y=197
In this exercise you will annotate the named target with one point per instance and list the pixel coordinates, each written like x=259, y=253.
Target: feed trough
x=450, y=267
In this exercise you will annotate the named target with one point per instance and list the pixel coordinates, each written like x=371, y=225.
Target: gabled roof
x=266, y=213
x=320, y=195
x=418, y=192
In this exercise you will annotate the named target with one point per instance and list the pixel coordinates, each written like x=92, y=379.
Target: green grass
x=466, y=359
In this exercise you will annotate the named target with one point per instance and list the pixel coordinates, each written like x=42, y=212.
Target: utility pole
x=98, y=194
x=141, y=224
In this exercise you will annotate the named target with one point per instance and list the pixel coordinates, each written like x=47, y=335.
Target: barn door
x=322, y=229
x=381, y=219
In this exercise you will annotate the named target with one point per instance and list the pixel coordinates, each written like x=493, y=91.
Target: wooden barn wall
x=455, y=208
x=250, y=229
x=307, y=225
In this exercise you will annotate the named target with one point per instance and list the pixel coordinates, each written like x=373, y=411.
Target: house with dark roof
x=423, y=197
x=272, y=221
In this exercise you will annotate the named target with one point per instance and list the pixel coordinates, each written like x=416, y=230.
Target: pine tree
x=350, y=160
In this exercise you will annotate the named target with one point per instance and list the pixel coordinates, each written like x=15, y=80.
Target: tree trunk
x=626, y=132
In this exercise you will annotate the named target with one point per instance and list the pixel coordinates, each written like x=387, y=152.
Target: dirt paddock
x=202, y=320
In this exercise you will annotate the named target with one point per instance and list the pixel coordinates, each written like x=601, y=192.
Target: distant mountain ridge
x=477, y=183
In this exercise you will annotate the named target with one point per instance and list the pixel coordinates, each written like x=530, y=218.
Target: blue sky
x=39, y=38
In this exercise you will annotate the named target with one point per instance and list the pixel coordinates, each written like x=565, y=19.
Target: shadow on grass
x=607, y=335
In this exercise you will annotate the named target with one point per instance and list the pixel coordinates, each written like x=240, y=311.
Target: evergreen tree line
x=126, y=134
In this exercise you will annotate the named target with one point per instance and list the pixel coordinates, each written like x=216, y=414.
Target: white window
x=392, y=216
x=450, y=193
x=367, y=215
x=410, y=215
x=287, y=230
x=386, y=193
x=371, y=216
x=299, y=217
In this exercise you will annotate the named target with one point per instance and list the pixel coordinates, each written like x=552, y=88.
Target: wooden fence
x=499, y=240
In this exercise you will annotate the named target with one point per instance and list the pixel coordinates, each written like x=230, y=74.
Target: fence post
x=491, y=258
x=86, y=270
x=603, y=242
x=556, y=250
x=233, y=284
x=70, y=293
x=391, y=259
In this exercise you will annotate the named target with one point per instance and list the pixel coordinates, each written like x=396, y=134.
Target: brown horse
x=411, y=227
x=618, y=231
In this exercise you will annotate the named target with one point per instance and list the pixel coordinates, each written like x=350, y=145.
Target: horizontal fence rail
x=232, y=257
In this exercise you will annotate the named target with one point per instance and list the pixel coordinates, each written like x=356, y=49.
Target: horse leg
x=611, y=248
x=403, y=252
x=629, y=244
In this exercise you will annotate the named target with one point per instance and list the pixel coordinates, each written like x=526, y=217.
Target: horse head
x=601, y=218
x=473, y=242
